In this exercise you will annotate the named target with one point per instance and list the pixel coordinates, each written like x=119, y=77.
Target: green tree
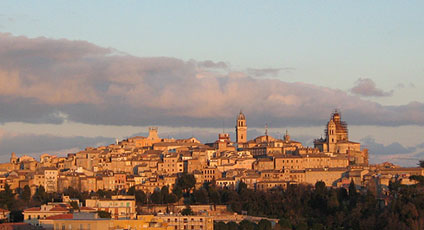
x=285, y=224
x=201, y=196
x=246, y=225
x=40, y=195
x=232, y=225
x=264, y=225
x=184, y=183
x=187, y=211
x=156, y=197
x=131, y=190
x=140, y=197
x=26, y=194
x=7, y=198
x=74, y=205
x=220, y=226
x=104, y=214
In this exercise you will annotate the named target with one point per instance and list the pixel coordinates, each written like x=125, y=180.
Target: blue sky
x=368, y=51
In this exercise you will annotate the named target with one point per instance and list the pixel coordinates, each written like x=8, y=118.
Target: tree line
x=296, y=207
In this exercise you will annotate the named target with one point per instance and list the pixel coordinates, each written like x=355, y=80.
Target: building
x=78, y=221
x=119, y=206
x=177, y=222
x=241, y=129
x=4, y=214
x=33, y=215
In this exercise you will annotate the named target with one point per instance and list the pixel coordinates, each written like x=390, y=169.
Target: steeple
x=241, y=129
x=287, y=136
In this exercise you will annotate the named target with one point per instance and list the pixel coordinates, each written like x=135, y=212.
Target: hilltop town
x=151, y=163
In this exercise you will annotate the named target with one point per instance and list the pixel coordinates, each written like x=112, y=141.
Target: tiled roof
x=34, y=209
x=57, y=209
x=61, y=216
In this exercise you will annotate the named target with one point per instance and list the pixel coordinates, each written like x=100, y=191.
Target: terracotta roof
x=4, y=210
x=61, y=216
x=34, y=209
x=56, y=209
x=87, y=209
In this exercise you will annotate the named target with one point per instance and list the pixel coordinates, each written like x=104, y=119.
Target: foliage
x=74, y=205
x=184, y=184
x=104, y=214
x=26, y=194
x=187, y=211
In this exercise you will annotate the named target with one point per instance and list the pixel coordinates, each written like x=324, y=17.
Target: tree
x=232, y=225
x=421, y=163
x=16, y=216
x=156, y=197
x=26, y=194
x=264, y=225
x=104, y=214
x=140, y=197
x=246, y=225
x=220, y=226
x=241, y=187
x=40, y=195
x=201, y=196
x=131, y=190
x=74, y=205
x=285, y=224
x=185, y=182
x=7, y=198
x=187, y=211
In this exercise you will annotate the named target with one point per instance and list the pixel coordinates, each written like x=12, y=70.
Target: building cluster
x=151, y=162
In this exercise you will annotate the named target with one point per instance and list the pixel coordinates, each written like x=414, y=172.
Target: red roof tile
x=34, y=209
x=61, y=217
x=55, y=209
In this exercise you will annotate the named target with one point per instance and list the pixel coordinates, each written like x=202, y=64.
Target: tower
x=241, y=129
x=13, y=158
x=336, y=131
x=331, y=135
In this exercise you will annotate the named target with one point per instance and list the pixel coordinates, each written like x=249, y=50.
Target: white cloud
x=41, y=78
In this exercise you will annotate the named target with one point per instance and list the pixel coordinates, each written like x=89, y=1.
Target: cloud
x=394, y=152
x=212, y=65
x=34, y=145
x=268, y=72
x=45, y=80
x=380, y=149
x=366, y=87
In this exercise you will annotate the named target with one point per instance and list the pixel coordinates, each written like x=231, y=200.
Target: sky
x=83, y=73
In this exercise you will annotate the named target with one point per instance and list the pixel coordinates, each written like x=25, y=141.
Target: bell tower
x=241, y=129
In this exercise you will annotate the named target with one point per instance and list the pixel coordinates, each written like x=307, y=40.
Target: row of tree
x=297, y=207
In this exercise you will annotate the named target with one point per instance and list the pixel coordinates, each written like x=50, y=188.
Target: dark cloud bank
x=46, y=81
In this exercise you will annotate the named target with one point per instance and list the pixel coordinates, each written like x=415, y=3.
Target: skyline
x=285, y=64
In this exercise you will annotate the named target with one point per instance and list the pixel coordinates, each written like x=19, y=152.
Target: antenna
x=266, y=129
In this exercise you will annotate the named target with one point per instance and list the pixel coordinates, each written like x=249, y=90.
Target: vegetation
x=104, y=214
x=296, y=207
